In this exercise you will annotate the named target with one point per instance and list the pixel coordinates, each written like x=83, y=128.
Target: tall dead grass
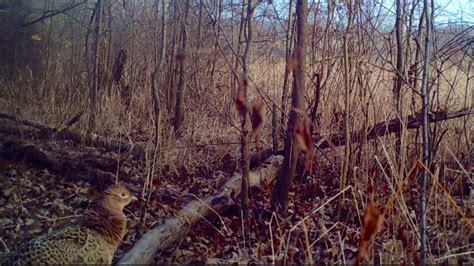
x=210, y=134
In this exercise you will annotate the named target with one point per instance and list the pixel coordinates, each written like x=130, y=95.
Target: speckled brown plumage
x=93, y=240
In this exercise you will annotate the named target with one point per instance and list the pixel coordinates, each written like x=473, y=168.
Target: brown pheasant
x=93, y=240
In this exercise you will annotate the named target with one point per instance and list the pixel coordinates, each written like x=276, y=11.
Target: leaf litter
x=34, y=202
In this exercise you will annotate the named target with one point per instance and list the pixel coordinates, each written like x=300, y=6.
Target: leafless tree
x=245, y=141
x=94, y=88
x=282, y=186
x=181, y=89
x=426, y=126
x=399, y=79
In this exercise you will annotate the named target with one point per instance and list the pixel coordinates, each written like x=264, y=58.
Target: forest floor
x=35, y=201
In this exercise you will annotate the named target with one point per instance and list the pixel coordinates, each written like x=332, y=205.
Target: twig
x=455, y=255
x=448, y=195
x=53, y=13
x=5, y=247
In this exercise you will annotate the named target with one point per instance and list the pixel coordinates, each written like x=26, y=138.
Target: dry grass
x=210, y=135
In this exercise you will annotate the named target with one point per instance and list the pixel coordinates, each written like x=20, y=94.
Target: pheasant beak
x=133, y=198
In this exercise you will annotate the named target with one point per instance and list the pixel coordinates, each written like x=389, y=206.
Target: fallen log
x=323, y=142
x=378, y=130
x=63, y=133
x=259, y=157
x=24, y=121
x=388, y=127
x=73, y=165
x=160, y=238
x=135, y=149
x=42, y=126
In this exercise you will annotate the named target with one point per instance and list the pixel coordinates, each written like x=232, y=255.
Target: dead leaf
x=403, y=236
x=373, y=220
x=258, y=117
x=302, y=138
x=8, y=192
x=305, y=142
x=241, y=99
x=36, y=37
x=292, y=64
x=5, y=222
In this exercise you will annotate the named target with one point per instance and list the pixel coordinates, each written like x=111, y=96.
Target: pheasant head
x=115, y=198
x=106, y=213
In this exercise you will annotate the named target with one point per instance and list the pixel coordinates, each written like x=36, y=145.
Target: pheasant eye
x=123, y=195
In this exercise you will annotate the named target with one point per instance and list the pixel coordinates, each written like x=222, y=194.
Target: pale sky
x=455, y=10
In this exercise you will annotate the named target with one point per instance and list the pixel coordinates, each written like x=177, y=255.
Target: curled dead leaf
x=292, y=63
x=304, y=140
x=241, y=99
x=373, y=220
x=258, y=117
x=35, y=37
x=403, y=236
x=301, y=138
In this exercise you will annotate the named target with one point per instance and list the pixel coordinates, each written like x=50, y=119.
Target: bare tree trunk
x=171, y=56
x=131, y=21
x=109, y=59
x=159, y=55
x=415, y=74
x=347, y=103
x=180, y=91
x=288, y=41
x=282, y=186
x=275, y=128
x=154, y=76
x=95, y=68
x=426, y=128
x=317, y=96
x=245, y=140
x=326, y=66
x=239, y=39
x=45, y=88
x=232, y=78
x=397, y=88
x=216, y=43
x=200, y=22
